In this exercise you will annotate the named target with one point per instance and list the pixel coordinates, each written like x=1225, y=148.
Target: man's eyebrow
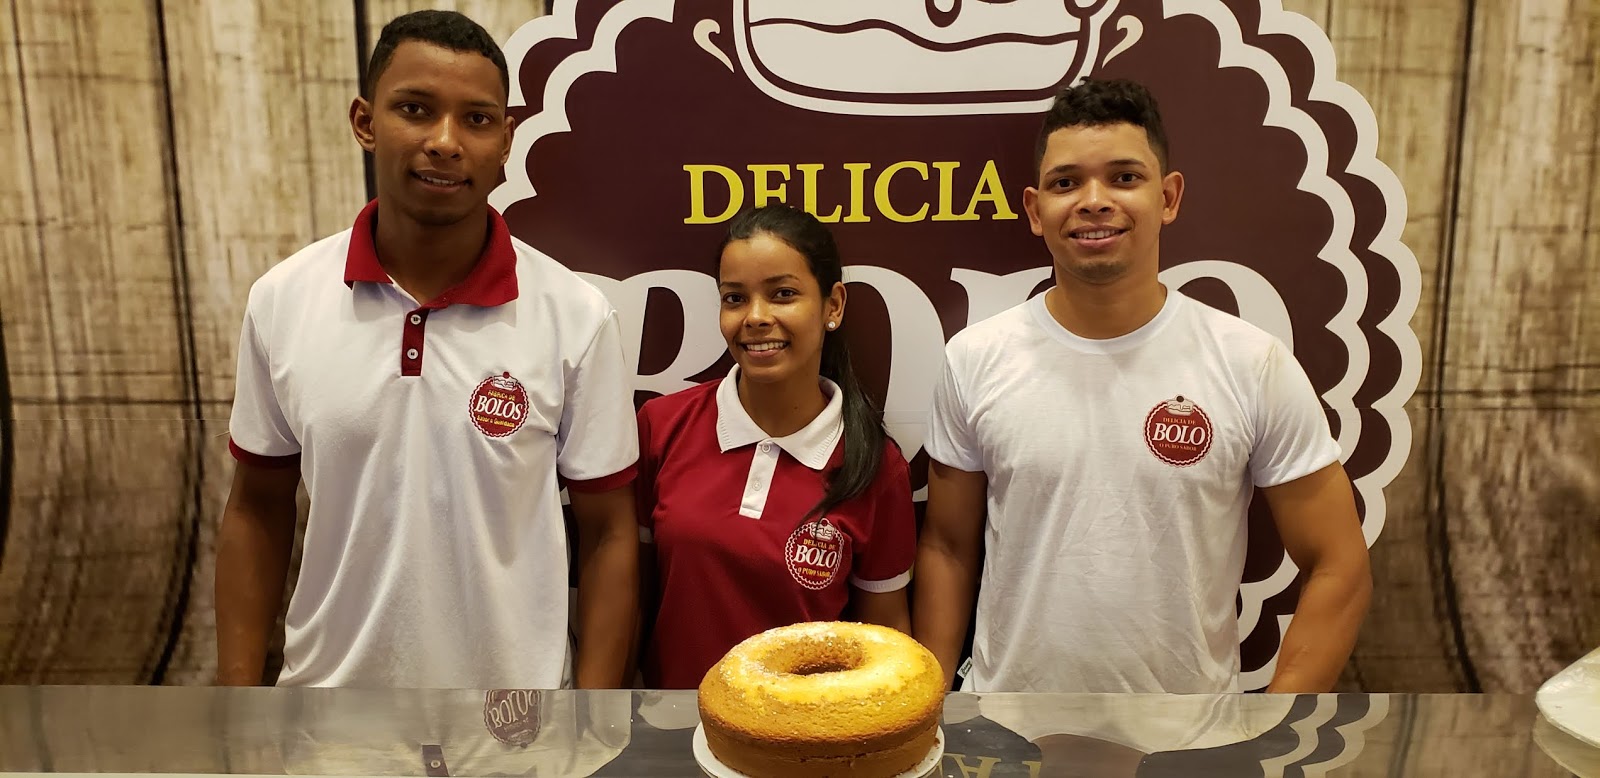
x=1072, y=167
x=423, y=93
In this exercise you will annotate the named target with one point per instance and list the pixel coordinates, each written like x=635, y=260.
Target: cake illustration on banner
x=911, y=57
x=821, y=699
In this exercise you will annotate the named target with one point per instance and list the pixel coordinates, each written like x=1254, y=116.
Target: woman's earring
x=832, y=325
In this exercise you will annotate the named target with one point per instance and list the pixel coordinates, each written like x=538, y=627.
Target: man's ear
x=361, y=123
x=1171, y=196
x=1030, y=205
x=511, y=134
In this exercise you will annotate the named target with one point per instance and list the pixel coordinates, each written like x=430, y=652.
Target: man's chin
x=440, y=217
x=1096, y=272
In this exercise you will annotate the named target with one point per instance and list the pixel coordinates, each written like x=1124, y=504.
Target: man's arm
x=649, y=604
x=949, y=559
x=1316, y=518
x=253, y=548
x=644, y=498
x=608, y=585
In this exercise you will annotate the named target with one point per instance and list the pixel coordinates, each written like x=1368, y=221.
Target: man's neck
x=1104, y=311
x=427, y=260
x=782, y=409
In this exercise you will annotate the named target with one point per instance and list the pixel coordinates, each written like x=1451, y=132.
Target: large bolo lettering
x=498, y=405
x=817, y=557
x=1193, y=435
x=909, y=191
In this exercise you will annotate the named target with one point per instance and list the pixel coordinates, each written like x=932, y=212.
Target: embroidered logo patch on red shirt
x=814, y=553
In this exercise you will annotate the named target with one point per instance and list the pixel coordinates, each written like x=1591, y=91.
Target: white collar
x=812, y=445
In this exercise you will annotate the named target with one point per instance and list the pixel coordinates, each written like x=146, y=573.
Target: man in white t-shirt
x=434, y=381
x=1113, y=430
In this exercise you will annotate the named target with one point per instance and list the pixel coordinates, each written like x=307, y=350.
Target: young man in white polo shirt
x=431, y=378
x=1113, y=430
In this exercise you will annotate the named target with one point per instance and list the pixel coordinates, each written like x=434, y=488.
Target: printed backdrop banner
x=908, y=126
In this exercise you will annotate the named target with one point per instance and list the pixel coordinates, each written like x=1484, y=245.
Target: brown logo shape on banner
x=645, y=125
x=498, y=406
x=1178, y=432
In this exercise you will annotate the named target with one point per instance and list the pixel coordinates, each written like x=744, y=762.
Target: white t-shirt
x=1119, y=475
x=430, y=438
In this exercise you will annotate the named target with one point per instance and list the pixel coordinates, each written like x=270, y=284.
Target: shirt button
x=416, y=318
x=411, y=353
x=765, y=447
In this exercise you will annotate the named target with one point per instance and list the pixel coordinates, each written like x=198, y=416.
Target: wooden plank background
x=103, y=495
x=167, y=152
x=1407, y=58
x=1519, y=384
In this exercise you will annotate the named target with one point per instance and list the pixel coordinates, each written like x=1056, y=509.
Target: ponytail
x=863, y=428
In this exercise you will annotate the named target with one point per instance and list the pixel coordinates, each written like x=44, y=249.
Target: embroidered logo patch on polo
x=1178, y=432
x=814, y=553
x=498, y=406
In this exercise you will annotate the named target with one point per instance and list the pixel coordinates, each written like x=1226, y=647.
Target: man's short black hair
x=1099, y=103
x=448, y=29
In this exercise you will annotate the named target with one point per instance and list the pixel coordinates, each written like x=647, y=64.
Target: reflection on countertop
x=125, y=729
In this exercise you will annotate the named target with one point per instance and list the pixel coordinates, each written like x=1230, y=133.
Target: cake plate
x=1571, y=700
x=711, y=766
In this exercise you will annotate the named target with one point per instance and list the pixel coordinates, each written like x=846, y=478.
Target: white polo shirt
x=522, y=732
x=1119, y=473
x=430, y=438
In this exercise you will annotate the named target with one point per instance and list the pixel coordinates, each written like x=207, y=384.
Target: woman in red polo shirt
x=773, y=496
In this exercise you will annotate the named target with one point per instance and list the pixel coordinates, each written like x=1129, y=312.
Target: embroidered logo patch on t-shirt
x=1178, y=432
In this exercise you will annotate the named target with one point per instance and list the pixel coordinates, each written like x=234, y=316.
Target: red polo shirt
x=724, y=505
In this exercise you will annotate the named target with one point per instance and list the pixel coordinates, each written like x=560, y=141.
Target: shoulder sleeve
x=883, y=561
x=258, y=432
x=1292, y=437
x=951, y=439
x=598, y=442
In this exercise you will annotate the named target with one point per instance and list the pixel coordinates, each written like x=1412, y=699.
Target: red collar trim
x=492, y=282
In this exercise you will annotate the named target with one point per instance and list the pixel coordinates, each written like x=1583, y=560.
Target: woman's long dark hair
x=863, y=420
